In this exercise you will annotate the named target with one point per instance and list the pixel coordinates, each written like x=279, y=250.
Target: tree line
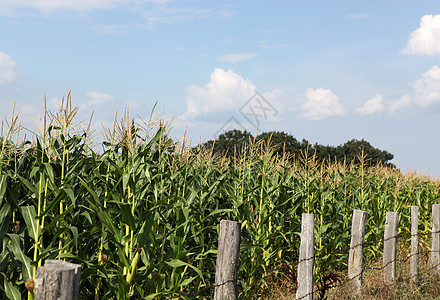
x=354, y=151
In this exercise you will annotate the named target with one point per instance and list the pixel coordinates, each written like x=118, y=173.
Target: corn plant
x=141, y=213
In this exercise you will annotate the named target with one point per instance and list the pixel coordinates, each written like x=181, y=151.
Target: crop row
x=61, y=198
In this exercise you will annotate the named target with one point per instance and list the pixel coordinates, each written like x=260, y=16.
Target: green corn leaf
x=144, y=233
x=125, y=179
x=74, y=231
x=49, y=171
x=29, y=216
x=67, y=255
x=4, y=259
x=126, y=214
x=151, y=143
x=187, y=281
x=110, y=226
x=71, y=195
x=5, y=219
x=3, y=186
x=175, y=263
x=11, y=291
x=86, y=214
x=29, y=185
x=152, y=296
x=34, y=171
x=219, y=211
x=20, y=256
x=52, y=204
x=90, y=190
x=54, y=221
x=123, y=258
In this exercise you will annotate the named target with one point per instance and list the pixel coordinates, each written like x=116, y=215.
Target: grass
x=141, y=215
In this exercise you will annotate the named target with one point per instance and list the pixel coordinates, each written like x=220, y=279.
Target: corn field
x=140, y=212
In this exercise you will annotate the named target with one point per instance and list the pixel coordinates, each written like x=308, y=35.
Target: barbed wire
x=291, y=265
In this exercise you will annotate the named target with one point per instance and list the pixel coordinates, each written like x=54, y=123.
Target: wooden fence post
x=306, y=258
x=227, y=260
x=390, y=246
x=57, y=280
x=414, y=261
x=435, y=255
x=355, y=257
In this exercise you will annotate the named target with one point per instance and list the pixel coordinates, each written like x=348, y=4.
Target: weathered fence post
x=57, y=280
x=435, y=255
x=306, y=258
x=227, y=260
x=414, y=261
x=355, y=256
x=390, y=246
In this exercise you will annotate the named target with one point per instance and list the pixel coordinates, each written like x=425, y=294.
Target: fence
x=57, y=280
x=67, y=275
x=305, y=264
x=355, y=263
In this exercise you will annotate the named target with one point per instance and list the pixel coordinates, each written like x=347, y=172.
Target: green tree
x=352, y=151
x=229, y=142
x=282, y=142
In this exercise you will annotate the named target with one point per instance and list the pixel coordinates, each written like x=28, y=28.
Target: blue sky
x=326, y=71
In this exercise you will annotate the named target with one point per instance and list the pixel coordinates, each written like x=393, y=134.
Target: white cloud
x=237, y=57
x=225, y=91
x=8, y=68
x=425, y=40
x=95, y=100
x=321, y=104
x=427, y=89
x=426, y=92
x=404, y=101
x=372, y=106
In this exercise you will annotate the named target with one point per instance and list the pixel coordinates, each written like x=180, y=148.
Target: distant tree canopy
x=232, y=142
